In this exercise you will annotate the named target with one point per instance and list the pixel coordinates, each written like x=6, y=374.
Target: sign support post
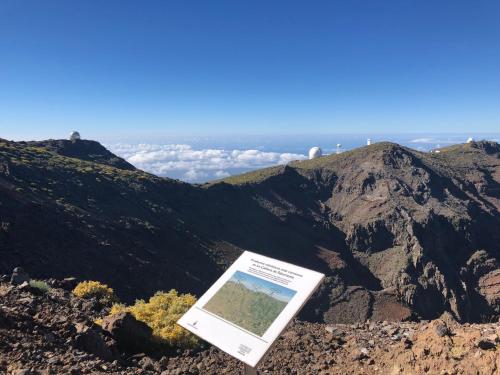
x=249, y=370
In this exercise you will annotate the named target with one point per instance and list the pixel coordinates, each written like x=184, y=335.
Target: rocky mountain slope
x=95, y=217
x=54, y=333
x=389, y=221
x=398, y=233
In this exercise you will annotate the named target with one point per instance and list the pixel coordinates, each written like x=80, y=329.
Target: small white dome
x=315, y=152
x=470, y=139
x=74, y=135
x=368, y=142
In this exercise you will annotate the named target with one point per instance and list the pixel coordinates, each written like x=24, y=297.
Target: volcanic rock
x=92, y=341
x=130, y=334
x=3, y=319
x=399, y=234
x=441, y=329
x=19, y=276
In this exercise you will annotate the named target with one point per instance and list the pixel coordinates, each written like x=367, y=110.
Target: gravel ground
x=43, y=335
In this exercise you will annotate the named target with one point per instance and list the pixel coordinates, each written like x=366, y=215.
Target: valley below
x=408, y=241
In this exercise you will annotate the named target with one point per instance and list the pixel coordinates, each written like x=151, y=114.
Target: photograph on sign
x=248, y=307
x=250, y=302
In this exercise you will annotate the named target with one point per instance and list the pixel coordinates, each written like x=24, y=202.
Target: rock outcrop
x=131, y=335
x=19, y=276
x=91, y=340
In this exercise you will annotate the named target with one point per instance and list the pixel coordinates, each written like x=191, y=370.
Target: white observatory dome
x=74, y=135
x=315, y=152
x=470, y=139
x=368, y=142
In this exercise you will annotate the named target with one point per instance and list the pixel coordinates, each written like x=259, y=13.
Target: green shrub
x=39, y=286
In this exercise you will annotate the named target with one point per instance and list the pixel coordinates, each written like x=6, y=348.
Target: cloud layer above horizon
x=183, y=162
x=203, y=159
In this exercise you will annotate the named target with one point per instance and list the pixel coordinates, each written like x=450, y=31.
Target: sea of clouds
x=184, y=162
x=201, y=159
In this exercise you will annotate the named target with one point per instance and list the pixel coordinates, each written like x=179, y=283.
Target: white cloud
x=194, y=175
x=423, y=140
x=221, y=174
x=430, y=140
x=183, y=162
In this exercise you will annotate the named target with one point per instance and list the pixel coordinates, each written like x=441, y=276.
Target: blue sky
x=256, y=283
x=158, y=68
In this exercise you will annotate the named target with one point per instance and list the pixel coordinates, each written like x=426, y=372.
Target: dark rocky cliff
x=397, y=232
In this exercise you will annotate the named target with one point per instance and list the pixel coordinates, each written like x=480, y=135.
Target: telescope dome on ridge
x=74, y=136
x=315, y=152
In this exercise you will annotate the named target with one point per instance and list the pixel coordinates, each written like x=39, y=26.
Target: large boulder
x=91, y=340
x=19, y=276
x=130, y=334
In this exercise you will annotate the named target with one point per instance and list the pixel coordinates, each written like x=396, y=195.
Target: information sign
x=249, y=306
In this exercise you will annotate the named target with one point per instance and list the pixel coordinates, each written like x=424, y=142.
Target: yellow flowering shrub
x=161, y=313
x=98, y=321
x=118, y=308
x=95, y=289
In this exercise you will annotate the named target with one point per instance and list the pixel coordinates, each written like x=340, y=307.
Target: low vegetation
x=39, y=286
x=250, y=177
x=161, y=313
x=94, y=289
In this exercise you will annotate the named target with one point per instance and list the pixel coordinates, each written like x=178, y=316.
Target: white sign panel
x=250, y=305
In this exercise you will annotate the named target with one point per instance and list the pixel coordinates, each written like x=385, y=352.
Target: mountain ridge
x=398, y=232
